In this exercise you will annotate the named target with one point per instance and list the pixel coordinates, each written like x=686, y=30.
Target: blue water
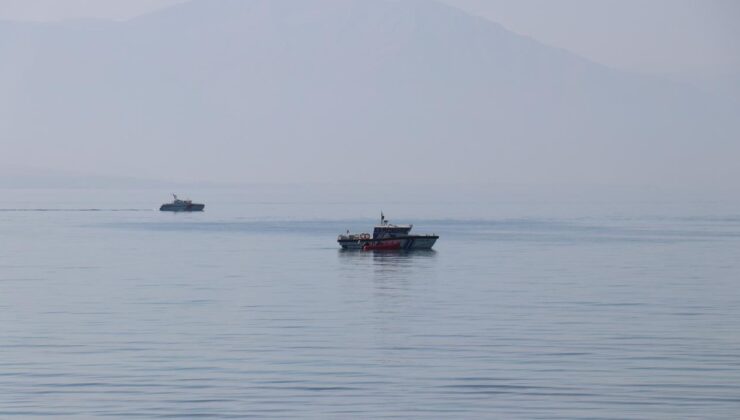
x=527, y=308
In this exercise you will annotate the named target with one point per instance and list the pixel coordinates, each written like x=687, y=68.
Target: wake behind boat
x=182, y=205
x=387, y=236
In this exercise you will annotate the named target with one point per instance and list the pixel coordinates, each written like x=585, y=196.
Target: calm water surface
x=526, y=309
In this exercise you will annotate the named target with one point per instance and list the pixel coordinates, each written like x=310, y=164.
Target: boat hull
x=411, y=242
x=184, y=207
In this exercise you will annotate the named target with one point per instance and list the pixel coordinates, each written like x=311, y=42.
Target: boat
x=386, y=237
x=182, y=205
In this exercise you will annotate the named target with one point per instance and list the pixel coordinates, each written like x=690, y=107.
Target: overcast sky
x=688, y=37
x=282, y=91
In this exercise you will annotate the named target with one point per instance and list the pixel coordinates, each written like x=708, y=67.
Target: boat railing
x=355, y=237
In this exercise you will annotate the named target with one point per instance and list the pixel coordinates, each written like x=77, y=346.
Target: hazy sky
x=660, y=36
x=305, y=91
x=666, y=36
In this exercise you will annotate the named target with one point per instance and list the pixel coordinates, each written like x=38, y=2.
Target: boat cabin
x=387, y=230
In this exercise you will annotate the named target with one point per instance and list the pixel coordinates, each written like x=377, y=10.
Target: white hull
x=408, y=243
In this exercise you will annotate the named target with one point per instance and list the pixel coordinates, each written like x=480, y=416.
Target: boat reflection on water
x=396, y=261
x=393, y=256
x=391, y=279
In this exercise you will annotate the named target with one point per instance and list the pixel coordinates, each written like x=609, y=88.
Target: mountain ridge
x=288, y=91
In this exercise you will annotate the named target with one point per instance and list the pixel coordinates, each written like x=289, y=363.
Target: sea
x=531, y=305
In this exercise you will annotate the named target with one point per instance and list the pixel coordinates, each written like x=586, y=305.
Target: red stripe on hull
x=381, y=246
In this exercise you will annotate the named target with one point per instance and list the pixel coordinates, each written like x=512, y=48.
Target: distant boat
x=182, y=205
x=387, y=237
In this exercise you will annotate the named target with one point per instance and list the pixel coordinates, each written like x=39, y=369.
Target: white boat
x=387, y=236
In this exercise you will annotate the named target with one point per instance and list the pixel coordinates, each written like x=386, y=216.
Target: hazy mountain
x=727, y=84
x=345, y=90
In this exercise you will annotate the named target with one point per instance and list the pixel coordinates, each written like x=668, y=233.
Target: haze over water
x=531, y=306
